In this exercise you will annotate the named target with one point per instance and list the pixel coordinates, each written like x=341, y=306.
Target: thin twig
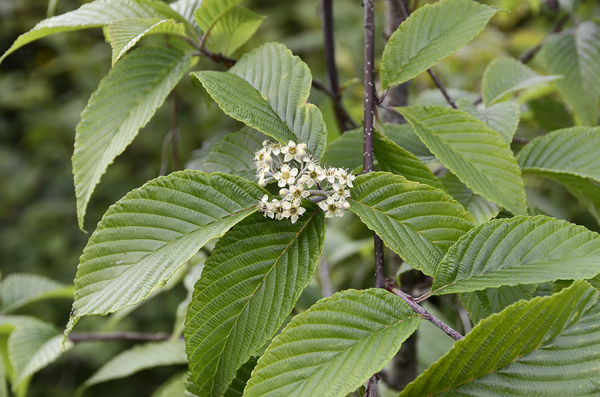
x=402, y=9
x=128, y=336
x=442, y=88
x=424, y=313
x=371, y=387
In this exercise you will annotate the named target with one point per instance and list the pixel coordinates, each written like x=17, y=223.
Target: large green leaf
x=574, y=54
x=20, y=289
x=570, y=157
x=174, y=386
x=544, y=347
x=404, y=136
x=506, y=75
x=345, y=151
x=475, y=153
x=418, y=222
x=234, y=154
x=137, y=359
x=124, y=102
x=3, y=388
x=482, y=304
x=502, y=117
x=335, y=346
x=393, y=159
x=266, y=265
x=31, y=348
x=146, y=236
x=519, y=250
x=480, y=209
x=233, y=30
x=270, y=99
x=125, y=33
x=187, y=8
x=237, y=386
x=429, y=35
x=212, y=11
x=95, y=14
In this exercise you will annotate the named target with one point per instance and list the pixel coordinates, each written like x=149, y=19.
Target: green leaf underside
x=124, y=102
x=146, y=236
x=544, y=347
x=125, y=33
x=475, y=153
x=502, y=117
x=393, y=159
x=32, y=347
x=506, y=75
x=482, y=304
x=234, y=154
x=137, y=359
x=267, y=89
x=480, y=209
x=518, y=250
x=174, y=386
x=568, y=156
x=416, y=221
x=429, y=35
x=212, y=11
x=268, y=263
x=335, y=346
x=346, y=151
x=404, y=136
x=186, y=9
x=237, y=386
x=233, y=30
x=94, y=14
x=574, y=54
x=20, y=289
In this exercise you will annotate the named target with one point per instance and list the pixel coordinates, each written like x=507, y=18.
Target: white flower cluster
x=296, y=174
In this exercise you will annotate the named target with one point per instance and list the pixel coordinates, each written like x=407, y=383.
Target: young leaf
x=272, y=100
x=233, y=30
x=482, y=304
x=480, y=209
x=95, y=14
x=393, y=159
x=234, y=154
x=472, y=151
x=124, y=102
x=569, y=156
x=20, y=289
x=574, y=54
x=335, y=346
x=345, y=151
x=546, y=347
x=137, y=359
x=505, y=75
x=418, y=222
x=125, y=33
x=429, y=35
x=31, y=348
x=516, y=251
x=212, y=11
x=502, y=117
x=146, y=236
x=404, y=136
x=249, y=286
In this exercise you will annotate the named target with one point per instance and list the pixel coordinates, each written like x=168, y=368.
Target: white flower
x=331, y=207
x=312, y=176
x=276, y=148
x=340, y=191
x=278, y=209
x=349, y=179
x=329, y=174
x=286, y=175
x=345, y=205
x=296, y=210
x=296, y=192
x=263, y=156
x=262, y=182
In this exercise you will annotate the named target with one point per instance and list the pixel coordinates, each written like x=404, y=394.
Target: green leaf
x=212, y=11
x=272, y=100
x=507, y=75
x=345, y=151
x=429, y=35
x=145, y=237
x=234, y=154
x=31, y=348
x=124, y=102
x=416, y=221
x=502, y=117
x=393, y=159
x=186, y=9
x=544, y=347
x=519, y=250
x=480, y=209
x=235, y=389
x=482, y=304
x=137, y=359
x=125, y=33
x=335, y=346
x=3, y=388
x=174, y=386
x=404, y=136
x=20, y=289
x=266, y=265
x=94, y=14
x=233, y=30
x=472, y=151
x=574, y=54
x=570, y=157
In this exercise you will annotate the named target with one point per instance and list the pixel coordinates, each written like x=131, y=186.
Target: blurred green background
x=45, y=85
